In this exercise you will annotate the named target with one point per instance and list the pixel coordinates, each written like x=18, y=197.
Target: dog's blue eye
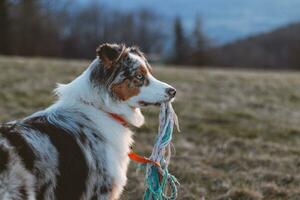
x=140, y=77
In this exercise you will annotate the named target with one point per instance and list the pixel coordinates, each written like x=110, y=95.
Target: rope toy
x=161, y=185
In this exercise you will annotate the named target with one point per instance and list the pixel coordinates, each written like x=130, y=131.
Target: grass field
x=240, y=130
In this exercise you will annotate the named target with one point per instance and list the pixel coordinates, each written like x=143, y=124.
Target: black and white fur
x=74, y=149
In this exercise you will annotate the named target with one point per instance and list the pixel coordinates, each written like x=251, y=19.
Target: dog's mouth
x=145, y=103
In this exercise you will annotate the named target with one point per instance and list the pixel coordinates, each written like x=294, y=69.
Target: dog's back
x=15, y=181
x=42, y=160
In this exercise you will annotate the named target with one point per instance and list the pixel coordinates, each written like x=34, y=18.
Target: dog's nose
x=171, y=92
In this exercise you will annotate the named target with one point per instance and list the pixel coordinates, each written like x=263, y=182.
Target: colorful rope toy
x=158, y=180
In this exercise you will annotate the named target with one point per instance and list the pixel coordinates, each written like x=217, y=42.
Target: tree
x=28, y=27
x=4, y=28
x=180, y=43
x=199, y=44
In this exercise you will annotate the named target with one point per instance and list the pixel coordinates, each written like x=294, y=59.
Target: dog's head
x=128, y=77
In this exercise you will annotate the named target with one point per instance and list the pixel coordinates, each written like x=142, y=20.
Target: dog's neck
x=118, y=118
x=81, y=92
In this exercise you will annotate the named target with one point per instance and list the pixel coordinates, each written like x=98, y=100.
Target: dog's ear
x=110, y=53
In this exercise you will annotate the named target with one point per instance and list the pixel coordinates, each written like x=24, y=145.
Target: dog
x=78, y=147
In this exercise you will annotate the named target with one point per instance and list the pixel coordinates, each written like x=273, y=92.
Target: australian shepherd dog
x=77, y=148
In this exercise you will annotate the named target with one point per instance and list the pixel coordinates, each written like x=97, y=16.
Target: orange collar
x=118, y=118
x=115, y=116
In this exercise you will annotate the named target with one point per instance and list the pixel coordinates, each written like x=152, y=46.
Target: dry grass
x=240, y=130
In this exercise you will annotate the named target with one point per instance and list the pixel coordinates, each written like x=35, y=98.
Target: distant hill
x=279, y=49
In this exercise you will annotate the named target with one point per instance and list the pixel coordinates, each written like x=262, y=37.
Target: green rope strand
x=158, y=179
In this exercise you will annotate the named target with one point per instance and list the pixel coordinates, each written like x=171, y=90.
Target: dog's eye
x=140, y=77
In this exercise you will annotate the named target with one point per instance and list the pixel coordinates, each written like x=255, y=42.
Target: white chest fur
x=118, y=140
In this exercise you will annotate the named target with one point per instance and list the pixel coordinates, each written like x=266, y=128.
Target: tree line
x=57, y=28
x=65, y=29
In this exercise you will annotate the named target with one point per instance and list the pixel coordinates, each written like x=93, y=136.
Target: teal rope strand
x=158, y=179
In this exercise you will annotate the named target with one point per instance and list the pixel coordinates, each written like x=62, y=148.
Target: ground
x=240, y=130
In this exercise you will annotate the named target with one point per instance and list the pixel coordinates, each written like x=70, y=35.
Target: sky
x=223, y=20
